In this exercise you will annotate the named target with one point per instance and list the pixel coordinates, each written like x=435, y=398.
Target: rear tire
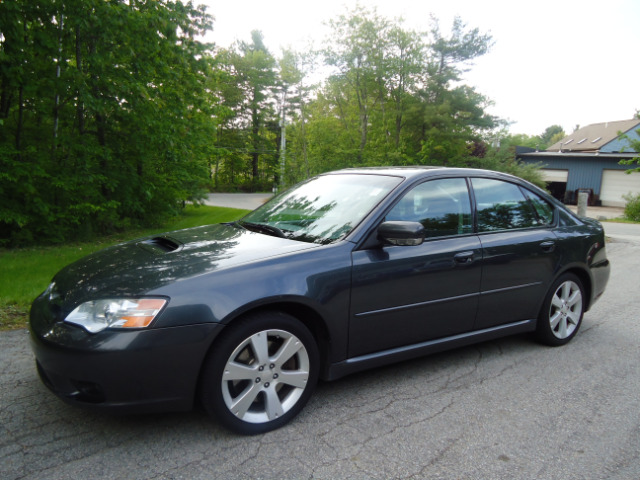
x=562, y=311
x=260, y=373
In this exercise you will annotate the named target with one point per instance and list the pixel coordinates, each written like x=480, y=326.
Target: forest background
x=115, y=113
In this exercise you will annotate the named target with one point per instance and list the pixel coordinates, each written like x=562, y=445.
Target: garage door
x=615, y=184
x=551, y=175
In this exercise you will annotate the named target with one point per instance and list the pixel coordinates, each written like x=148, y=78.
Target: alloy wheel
x=565, y=310
x=265, y=376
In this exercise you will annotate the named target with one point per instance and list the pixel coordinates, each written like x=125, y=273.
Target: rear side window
x=541, y=206
x=502, y=206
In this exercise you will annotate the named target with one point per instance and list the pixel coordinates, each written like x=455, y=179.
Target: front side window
x=442, y=207
x=502, y=206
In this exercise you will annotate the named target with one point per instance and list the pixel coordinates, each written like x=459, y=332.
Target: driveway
x=623, y=231
x=246, y=201
x=506, y=409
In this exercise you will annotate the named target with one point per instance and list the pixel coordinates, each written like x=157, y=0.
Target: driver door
x=403, y=295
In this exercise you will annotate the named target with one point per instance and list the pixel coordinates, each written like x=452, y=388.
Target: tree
x=404, y=73
x=395, y=95
x=452, y=125
x=105, y=120
x=450, y=57
x=551, y=135
x=295, y=97
x=632, y=207
x=503, y=160
x=256, y=69
x=249, y=132
x=358, y=53
x=453, y=116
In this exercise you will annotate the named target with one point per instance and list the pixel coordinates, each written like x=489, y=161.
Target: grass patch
x=620, y=220
x=26, y=272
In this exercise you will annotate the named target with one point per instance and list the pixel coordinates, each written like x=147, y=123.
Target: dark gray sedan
x=349, y=270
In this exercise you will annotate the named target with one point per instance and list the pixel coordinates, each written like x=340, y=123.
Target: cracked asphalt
x=507, y=409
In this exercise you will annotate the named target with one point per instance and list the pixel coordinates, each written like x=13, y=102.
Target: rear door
x=519, y=251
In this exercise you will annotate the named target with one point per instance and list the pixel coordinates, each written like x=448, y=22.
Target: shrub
x=632, y=208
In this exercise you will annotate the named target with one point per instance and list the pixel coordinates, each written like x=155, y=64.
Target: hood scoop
x=160, y=245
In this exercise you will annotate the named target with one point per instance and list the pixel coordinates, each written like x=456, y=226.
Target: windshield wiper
x=263, y=228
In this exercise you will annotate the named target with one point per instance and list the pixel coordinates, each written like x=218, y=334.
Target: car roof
x=417, y=172
x=410, y=172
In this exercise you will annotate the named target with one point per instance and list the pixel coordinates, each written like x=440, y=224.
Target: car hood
x=144, y=265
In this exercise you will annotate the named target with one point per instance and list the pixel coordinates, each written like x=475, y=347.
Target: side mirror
x=402, y=233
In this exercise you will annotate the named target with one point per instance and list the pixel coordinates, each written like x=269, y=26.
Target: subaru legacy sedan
x=347, y=271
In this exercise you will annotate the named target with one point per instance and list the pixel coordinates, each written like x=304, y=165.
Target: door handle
x=548, y=247
x=464, y=258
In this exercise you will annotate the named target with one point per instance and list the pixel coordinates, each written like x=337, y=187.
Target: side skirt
x=386, y=357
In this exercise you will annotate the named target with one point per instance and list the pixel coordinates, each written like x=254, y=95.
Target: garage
x=556, y=181
x=615, y=184
x=554, y=175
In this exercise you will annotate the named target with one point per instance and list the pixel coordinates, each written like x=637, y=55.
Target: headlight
x=96, y=315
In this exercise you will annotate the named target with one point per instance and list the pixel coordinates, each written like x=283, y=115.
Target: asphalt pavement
x=622, y=231
x=505, y=409
x=246, y=201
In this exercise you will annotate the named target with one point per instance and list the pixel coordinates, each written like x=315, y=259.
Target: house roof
x=617, y=156
x=593, y=137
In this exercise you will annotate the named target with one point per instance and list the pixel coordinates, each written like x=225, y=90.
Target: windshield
x=322, y=210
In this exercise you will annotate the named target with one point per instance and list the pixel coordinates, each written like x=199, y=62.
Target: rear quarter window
x=543, y=208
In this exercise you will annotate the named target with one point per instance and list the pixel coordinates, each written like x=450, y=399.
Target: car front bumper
x=135, y=371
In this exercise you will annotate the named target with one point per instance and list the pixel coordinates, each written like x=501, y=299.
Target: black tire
x=562, y=311
x=271, y=360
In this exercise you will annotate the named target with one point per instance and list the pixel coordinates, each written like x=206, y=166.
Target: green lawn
x=25, y=273
x=620, y=220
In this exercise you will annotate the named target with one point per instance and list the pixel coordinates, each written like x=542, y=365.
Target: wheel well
x=310, y=319
x=586, y=283
x=306, y=315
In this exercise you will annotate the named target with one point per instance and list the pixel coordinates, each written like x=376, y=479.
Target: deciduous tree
x=105, y=119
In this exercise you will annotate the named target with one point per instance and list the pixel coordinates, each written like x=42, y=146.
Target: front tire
x=562, y=311
x=261, y=373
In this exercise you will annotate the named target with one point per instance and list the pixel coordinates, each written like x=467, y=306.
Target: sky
x=561, y=62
